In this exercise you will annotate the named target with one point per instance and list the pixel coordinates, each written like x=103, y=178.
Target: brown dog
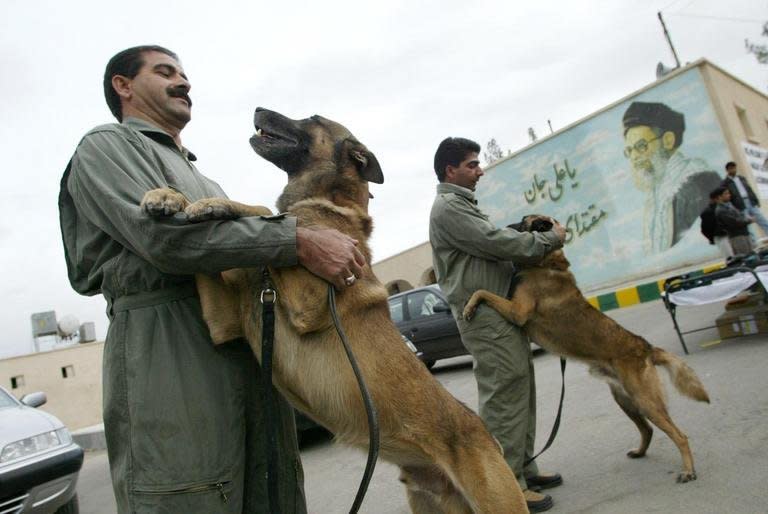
x=552, y=310
x=449, y=461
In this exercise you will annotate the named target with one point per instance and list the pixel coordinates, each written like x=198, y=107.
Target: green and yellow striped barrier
x=640, y=293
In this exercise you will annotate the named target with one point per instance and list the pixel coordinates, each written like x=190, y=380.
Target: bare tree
x=492, y=152
x=760, y=51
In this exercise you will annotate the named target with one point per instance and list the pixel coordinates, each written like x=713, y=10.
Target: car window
x=6, y=400
x=421, y=304
x=396, y=309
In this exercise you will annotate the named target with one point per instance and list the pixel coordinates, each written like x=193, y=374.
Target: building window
x=17, y=381
x=68, y=371
x=745, y=126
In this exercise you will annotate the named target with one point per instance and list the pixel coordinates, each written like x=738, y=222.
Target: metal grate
x=12, y=505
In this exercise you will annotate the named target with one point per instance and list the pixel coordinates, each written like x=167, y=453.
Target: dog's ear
x=520, y=226
x=367, y=165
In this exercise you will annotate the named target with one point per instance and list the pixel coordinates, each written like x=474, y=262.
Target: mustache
x=180, y=92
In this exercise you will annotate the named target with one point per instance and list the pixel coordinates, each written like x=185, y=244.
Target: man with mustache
x=183, y=419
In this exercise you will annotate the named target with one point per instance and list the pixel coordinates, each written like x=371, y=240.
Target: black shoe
x=537, y=502
x=545, y=481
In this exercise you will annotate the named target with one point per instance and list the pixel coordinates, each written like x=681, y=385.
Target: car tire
x=429, y=364
x=71, y=507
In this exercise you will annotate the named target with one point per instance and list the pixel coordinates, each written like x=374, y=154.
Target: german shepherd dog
x=547, y=304
x=449, y=462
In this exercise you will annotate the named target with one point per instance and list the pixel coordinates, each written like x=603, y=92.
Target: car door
x=432, y=332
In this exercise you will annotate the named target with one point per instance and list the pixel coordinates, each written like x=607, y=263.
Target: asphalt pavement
x=729, y=437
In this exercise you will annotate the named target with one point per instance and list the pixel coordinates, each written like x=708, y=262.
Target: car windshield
x=6, y=400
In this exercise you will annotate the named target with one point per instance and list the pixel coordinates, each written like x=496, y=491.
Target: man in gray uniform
x=183, y=419
x=470, y=253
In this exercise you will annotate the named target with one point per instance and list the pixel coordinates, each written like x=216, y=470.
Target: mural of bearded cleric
x=676, y=188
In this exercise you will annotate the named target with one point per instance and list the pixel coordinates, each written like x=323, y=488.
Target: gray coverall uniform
x=182, y=417
x=470, y=253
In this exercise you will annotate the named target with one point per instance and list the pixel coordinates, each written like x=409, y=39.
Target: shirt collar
x=156, y=134
x=446, y=187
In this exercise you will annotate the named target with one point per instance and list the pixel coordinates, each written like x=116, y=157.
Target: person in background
x=715, y=234
x=743, y=197
x=733, y=221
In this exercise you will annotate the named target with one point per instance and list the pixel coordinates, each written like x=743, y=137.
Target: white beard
x=661, y=187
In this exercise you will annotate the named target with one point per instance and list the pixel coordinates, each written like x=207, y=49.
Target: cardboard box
x=743, y=322
x=745, y=300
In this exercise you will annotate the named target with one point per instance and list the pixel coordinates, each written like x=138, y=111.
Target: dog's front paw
x=686, y=476
x=211, y=209
x=635, y=454
x=469, y=310
x=163, y=202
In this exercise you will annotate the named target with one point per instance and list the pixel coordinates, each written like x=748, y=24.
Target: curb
x=639, y=293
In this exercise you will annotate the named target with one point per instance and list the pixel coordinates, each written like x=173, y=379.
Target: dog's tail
x=684, y=378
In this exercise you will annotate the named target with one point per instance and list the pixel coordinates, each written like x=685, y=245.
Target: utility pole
x=669, y=40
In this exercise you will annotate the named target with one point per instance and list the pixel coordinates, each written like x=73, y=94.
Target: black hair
x=126, y=63
x=450, y=152
x=717, y=192
x=654, y=114
x=730, y=164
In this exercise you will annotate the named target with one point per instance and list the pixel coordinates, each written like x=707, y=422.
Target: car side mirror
x=34, y=399
x=441, y=306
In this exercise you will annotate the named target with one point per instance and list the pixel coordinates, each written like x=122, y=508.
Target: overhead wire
x=719, y=18
x=673, y=2
x=681, y=14
x=686, y=6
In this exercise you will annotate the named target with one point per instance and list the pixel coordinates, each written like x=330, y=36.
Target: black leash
x=370, y=409
x=556, y=424
x=271, y=415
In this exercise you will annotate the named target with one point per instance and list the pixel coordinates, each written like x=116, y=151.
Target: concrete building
x=69, y=376
x=406, y=270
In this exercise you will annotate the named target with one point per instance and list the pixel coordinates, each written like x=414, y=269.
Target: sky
x=400, y=75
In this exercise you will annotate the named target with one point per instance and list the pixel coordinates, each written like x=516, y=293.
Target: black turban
x=653, y=114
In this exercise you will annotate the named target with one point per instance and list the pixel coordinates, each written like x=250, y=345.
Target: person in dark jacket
x=715, y=234
x=733, y=221
x=743, y=197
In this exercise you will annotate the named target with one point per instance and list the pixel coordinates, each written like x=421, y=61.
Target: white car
x=39, y=463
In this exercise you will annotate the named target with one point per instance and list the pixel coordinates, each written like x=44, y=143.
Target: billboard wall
x=628, y=184
x=757, y=159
